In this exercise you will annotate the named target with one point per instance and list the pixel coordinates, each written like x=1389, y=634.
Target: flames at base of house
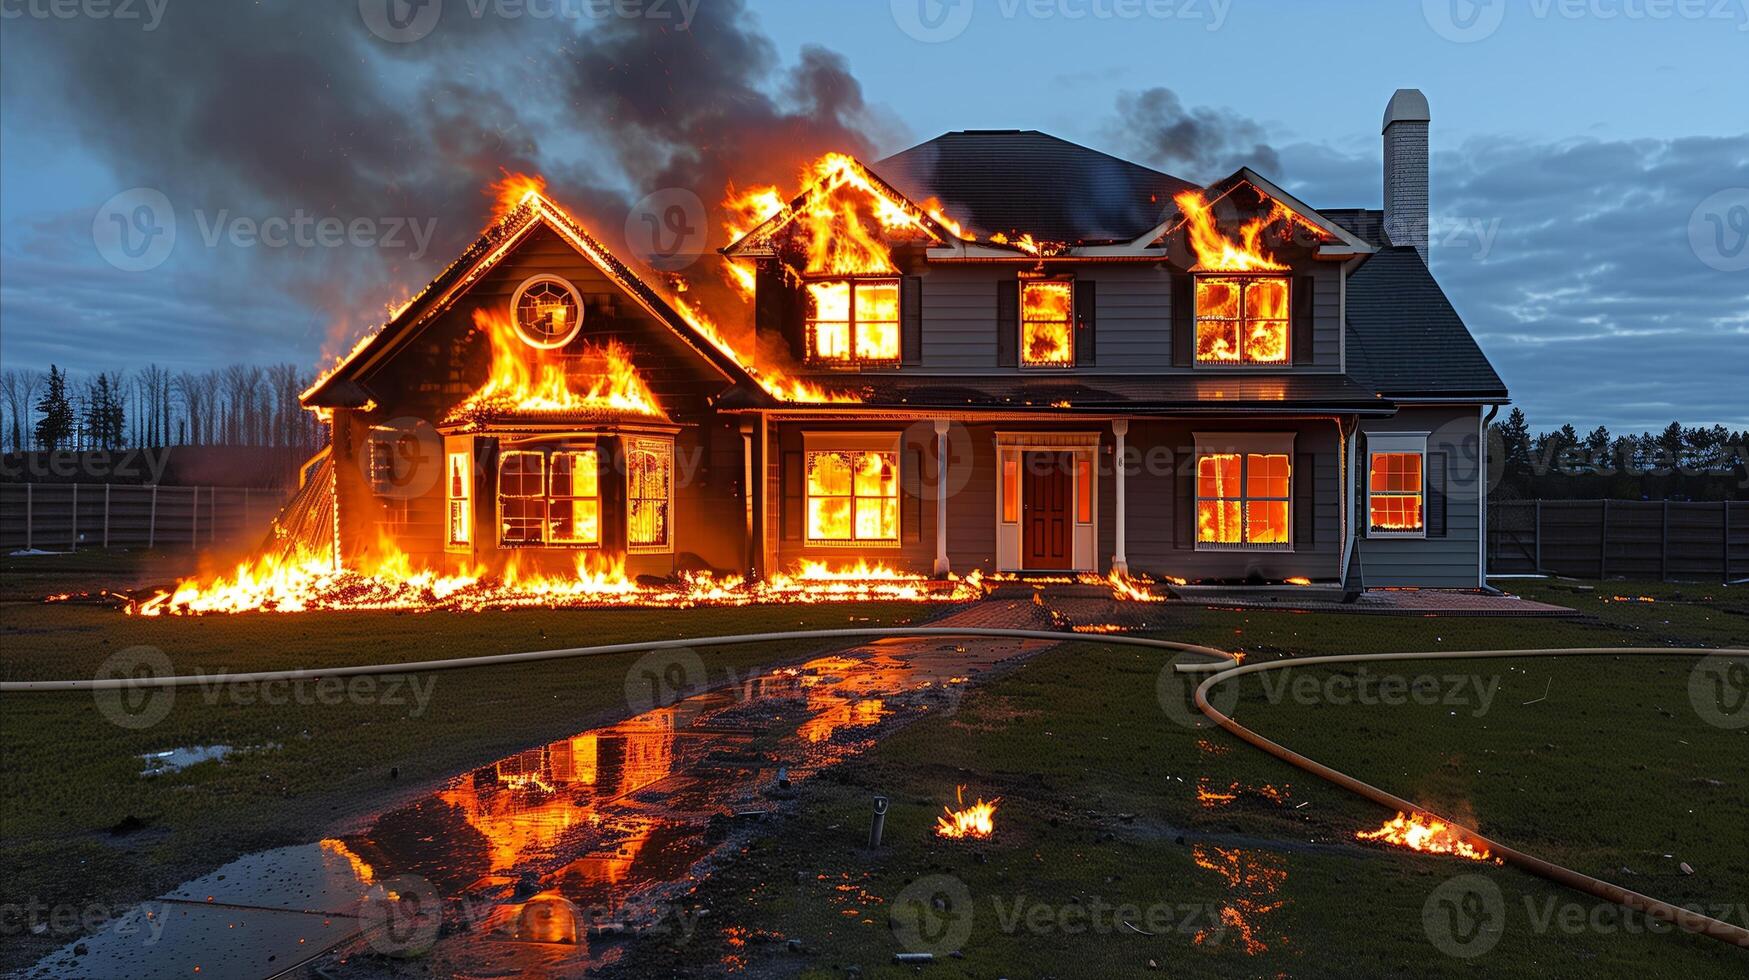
x=1429, y=835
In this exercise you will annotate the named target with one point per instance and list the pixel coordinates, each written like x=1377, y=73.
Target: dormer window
x=1241, y=319
x=1047, y=323
x=853, y=322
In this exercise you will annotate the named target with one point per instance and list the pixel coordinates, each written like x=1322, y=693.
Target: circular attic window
x=547, y=311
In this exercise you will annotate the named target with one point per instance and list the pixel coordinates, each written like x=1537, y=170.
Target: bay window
x=1241, y=319
x=549, y=498
x=853, y=321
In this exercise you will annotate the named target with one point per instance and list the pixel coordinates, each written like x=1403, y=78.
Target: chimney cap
x=1407, y=105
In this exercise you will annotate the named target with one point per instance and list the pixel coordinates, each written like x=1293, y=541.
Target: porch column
x=1120, y=562
x=941, y=563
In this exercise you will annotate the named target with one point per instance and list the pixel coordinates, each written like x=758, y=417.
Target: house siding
x=1451, y=561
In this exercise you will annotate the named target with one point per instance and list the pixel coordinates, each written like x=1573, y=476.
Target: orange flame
x=1420, y=832
x=527, y=379
x=513, y=191
x=975, y=821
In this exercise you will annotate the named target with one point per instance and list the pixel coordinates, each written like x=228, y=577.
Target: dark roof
x=1405, y=339
x=1211, y=393
x=1026, y=182
x=1366, y=224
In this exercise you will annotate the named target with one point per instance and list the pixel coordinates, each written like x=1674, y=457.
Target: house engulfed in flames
x=995, y=351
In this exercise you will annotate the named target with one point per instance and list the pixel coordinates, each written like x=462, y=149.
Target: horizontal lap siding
x=1454, y=560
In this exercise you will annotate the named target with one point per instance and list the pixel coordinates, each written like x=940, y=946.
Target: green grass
x=1099, y=804
x=68, y=776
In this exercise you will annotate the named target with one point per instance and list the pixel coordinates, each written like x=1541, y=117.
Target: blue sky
x=1591, y=157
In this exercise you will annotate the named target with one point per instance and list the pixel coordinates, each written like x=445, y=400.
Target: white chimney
x=1406, y=120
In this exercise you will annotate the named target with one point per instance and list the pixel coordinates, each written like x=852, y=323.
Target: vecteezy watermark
x=932, y=915
x=135, y=707
x=1467, y=21
x=1473, y=693
x=668, y=229
x=149, y=13
x=406, y=21
x=1718, y=230
x=1465, y=916
x=1718, y=687
x=405, y=458
x=135, y=230
x=145, y=466
x=62, y=920
x=401, y=916
x=663, y=678
x=936, y=21
x=1175, y=689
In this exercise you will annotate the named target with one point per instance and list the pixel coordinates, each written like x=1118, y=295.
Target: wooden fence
x=69, y=516
x=1650, y=539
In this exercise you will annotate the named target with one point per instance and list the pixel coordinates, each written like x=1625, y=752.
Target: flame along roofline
x=487, y=251
x=1345, y=243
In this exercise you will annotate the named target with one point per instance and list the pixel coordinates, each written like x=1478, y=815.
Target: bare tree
x=18, y=391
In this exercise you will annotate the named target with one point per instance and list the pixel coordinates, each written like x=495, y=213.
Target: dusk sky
x=1590, y=171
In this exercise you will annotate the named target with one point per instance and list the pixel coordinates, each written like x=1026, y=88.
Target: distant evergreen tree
x=1515, y=442
x=55, y=427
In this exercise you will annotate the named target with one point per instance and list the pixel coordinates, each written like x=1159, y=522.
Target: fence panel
x=1650, y=539
x=67, y=516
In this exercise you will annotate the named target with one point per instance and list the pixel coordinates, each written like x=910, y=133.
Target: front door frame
x=1032, y=557
x=1010, y=535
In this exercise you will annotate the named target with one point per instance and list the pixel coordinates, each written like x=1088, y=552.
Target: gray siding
x=1451, y=561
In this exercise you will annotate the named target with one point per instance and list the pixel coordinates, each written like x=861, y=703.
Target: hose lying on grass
x=1223, y=665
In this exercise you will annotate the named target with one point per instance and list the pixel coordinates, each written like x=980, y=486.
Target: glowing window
x=547, y=312
x=1395, y=493
x=522, y=502
x=574, y=498
x=1242, y=499
x=1047, y=333
x=649, y=480
x=853, y=496
x=853, y=321
x=1010, y=489
x=458, y=492
x=1083, y=490
x=1241, y=319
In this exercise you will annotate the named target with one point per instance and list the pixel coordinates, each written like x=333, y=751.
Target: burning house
x=994, y=351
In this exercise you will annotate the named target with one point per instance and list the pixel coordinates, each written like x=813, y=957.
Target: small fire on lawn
x=1429, y=835
x=977, y=821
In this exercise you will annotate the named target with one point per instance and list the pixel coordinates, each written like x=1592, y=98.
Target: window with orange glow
x=1010, y=489
x=1395, y=494
x=852, y=497
x=1241, y=319
x=1047, y=329
x=1243, y=498
x=457, y=490
x=574, y=509
x=649, y=480
x=1083, y=491
x=853, y=321
x=522, y=500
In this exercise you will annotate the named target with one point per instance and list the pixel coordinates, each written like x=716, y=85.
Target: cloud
x=1202, y=143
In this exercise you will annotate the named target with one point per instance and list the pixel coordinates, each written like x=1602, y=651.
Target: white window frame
x=458, y=453
x=1395, y=442
x=1244, y=444
x=1242, y=363
x=855, y=442
x=856, y=285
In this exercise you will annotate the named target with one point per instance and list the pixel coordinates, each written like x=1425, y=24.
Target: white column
x=942, y=567
x=1120, y=562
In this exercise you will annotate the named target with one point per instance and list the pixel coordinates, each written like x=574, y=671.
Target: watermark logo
x=1718, y=230
x=1464, y=21
x=668, y=229
x=401, y=917
x=135, y=231
x=663, y=678
x=921, y=442
x=932, y=21
x=932, y=915
x=1175, y=691
x=404, y=460
x=150, y=13
x=1718, y=687
x=400, y=21
x=1465, y=916
x=135, y=707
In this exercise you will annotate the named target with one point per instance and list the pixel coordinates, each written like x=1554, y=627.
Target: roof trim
x=755, y=243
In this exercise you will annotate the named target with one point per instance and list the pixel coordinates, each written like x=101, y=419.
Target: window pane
x=877, y=302
x=877, y=341
x=1046, y=333
x=1266, y=522
x=1217, y=522
x=829, y=518
x=575, y=474
x=875, y=475
x=1010, y=490
x=1217, y=340
x=576, y=521
x=1217, y=299
x=649, y=522
x=1269, y=476
x=522, y=519
x=1218, y=476
x=1083, y=491
x=649, y=464
x=1266, y=299
x=828, y=474
x=829, y=301
x=1266, y=341
x=458, y=522
x=522, y=474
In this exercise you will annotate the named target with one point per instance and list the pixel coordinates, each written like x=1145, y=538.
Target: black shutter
x=1184, y=502
x=1435, y=495
x=1183, y=323
x=1305, y=484
x=1362, y=483
x=911, y=504
x=1303, y=338
x=793, y=502
x=778, y=307
x=1085, y=354
x=1007, y=323
x=911, y=320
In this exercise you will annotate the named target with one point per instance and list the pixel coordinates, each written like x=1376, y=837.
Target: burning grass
x=1429, y=835
x=975, y=822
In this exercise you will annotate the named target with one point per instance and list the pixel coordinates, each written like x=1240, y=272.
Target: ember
x=975, y=821
x=1419, y=832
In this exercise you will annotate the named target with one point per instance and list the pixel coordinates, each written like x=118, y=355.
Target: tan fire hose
x=1224, y=665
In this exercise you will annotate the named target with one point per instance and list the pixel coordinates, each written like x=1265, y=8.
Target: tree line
x=238, y=405
x=1677, y=463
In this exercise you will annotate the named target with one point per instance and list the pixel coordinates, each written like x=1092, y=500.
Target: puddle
x=539, y=860
x=178, y=759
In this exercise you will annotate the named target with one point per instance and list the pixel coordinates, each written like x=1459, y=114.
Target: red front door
x=1047, y=502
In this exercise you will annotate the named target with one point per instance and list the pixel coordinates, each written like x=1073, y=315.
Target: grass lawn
x=1609, y=770
x=81, y=828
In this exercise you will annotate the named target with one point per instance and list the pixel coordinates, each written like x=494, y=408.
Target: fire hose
x=1222, y=666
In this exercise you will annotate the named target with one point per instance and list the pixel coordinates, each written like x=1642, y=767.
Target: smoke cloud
x=1198, y=144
